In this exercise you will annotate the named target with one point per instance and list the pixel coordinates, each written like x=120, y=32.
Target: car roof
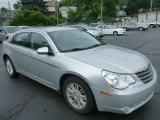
x=48, y=29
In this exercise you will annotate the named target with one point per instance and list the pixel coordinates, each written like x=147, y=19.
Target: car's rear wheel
x=10, y=68
x=115, y=33
x=141, y=29
x=78, y=95
x=151, y=26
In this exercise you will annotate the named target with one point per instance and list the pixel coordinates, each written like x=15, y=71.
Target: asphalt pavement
x=25, y=99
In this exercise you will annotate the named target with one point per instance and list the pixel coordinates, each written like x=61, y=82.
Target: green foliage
x=134, y=5
x=89, y=10
x=38, y=5
x=156, y=3
x=3, y=14
x=16, y=5
x=32, y=18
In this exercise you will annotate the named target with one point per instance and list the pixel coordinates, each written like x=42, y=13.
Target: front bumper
x=125, y=101
x=122, y=32
x=98, y=34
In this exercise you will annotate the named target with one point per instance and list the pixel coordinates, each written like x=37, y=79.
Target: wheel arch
x=67, y=75
x=5, y=56
x=115, y=31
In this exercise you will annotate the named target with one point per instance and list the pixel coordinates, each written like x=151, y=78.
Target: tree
x=3, y=14
x=134, y=6
x=89, y=10
x=38, y=5
x=32, y=18
x=17, y=5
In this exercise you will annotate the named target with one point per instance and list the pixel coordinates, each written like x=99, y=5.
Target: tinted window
x=21, y=39
x=38, y=41
x=106, y=27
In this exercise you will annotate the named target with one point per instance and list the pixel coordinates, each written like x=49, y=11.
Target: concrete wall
x=158, y=15
x=147, y=16
x=142, y=16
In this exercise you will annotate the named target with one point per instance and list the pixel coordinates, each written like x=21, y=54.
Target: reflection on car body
x=86, y=71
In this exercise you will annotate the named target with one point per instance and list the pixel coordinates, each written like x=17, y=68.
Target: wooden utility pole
x=10, y=14
x=151, y=4
x=101, y=14
x=57, y=11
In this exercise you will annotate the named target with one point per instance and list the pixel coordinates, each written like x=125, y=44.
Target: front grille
x=146, y=75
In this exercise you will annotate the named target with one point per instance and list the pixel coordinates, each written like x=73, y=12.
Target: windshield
x=94, y=24
x=73, y=40
x=111, y=26
x=12, y=29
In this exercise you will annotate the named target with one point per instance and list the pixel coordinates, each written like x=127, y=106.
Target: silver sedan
x=89, y=73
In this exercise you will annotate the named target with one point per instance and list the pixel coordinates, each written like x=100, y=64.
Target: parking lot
x=24, y=99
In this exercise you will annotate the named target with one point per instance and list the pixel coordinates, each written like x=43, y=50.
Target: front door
x=42, y=67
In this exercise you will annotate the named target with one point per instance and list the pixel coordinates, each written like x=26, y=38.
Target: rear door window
x=21, y=39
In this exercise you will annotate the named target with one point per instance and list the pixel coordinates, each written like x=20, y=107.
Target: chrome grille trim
x=146, y=75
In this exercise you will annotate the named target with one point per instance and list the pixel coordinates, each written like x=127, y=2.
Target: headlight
x=118, y=81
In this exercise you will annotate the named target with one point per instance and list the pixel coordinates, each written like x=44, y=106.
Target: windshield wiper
x=79, y=49
x=74, y=49
x=96, y=45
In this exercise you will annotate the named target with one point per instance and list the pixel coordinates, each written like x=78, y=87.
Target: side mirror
x=43, y=50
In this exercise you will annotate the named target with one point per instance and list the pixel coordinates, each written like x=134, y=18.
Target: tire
x=73, y=90
x=151, y=26
x=115, y=33
x=141, y=29
x=125, y=29
x=10, y=68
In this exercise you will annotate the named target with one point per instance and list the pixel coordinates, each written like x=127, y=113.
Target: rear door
x=134, y=26
x=20, y=46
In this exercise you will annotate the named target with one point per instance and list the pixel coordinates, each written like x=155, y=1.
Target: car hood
x=112, y=58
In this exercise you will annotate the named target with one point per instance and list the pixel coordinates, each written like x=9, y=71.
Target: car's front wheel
x=78, y=95
x=10, y=67
x=125, y=29
x=115, y=33
x=141, y=29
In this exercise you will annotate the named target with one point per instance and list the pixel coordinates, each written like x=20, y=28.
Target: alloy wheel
x=76, y=96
